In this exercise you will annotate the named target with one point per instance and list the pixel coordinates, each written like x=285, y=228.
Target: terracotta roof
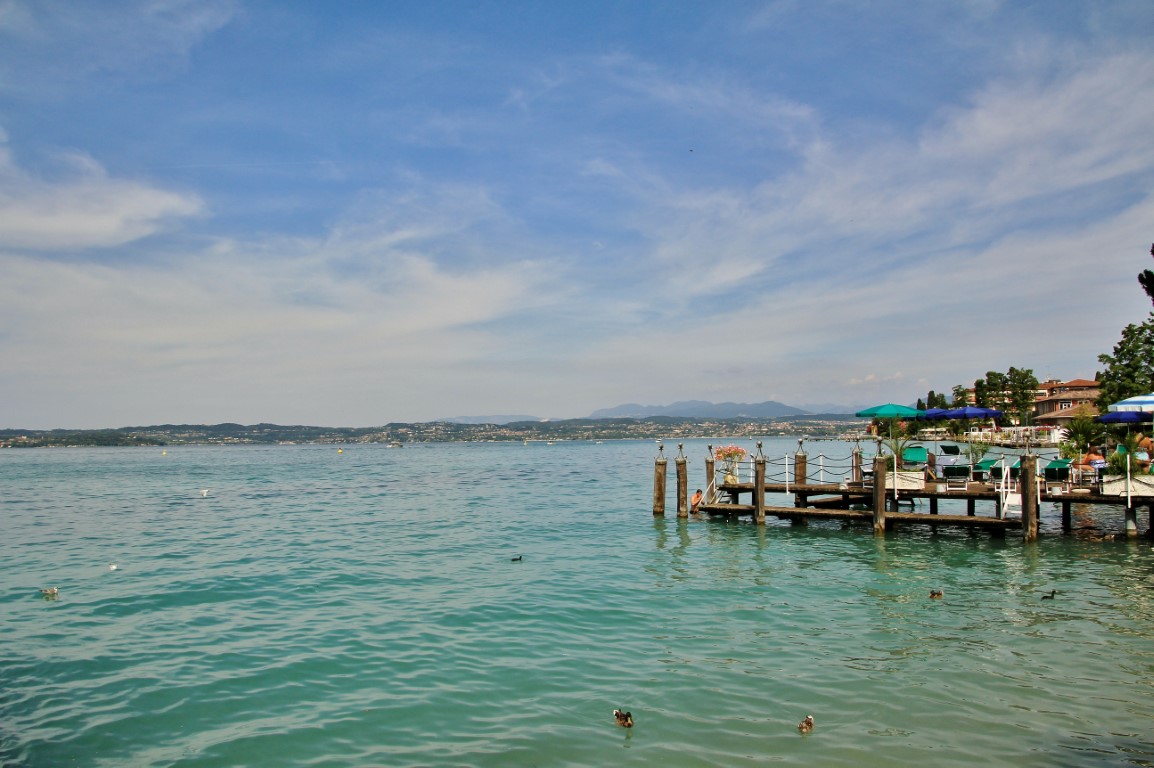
x=1072, y=384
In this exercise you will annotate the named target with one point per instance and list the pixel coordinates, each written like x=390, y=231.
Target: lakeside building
x=1059, y=402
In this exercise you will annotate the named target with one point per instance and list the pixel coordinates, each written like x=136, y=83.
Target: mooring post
x=1131, y=519
x=855, y=465
x=1029, y=488
x=759, y=486
x=682, y=482
x=1067, y=516
x=710, y=476
x=799, y=465
x=880, y=466
x=659, y=473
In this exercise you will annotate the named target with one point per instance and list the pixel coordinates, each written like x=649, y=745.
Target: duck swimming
x=1051, y=595
x=50, y=593
x=935, y=594
x=806, y=725
x=624, y=719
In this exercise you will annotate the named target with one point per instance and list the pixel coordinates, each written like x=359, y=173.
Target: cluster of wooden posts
x=857, y=500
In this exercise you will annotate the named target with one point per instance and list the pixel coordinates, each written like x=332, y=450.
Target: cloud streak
x=556, y=232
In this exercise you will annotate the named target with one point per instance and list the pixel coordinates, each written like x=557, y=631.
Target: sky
x=355, y=213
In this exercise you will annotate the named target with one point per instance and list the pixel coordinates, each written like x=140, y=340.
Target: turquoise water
x=362, y=608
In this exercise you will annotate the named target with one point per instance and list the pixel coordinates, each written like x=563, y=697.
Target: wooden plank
x=792, y=513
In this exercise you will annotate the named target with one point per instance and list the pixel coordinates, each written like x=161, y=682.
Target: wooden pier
x=864, y=498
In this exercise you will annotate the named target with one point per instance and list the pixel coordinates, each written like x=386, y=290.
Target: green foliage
x=1130, y=370
x=1080, y=434
x=961, y=397
x=981, y=394
x=1146, y=279
x=1023, y=388
x=976, y=450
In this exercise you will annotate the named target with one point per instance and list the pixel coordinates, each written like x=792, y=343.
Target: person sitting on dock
x=1092, y=464
x=1142, y=452
x=696, y=501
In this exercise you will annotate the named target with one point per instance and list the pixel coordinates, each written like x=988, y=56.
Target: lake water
x=362, y=608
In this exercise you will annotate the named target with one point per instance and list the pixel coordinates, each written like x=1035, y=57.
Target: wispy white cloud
x=83, y=208
x=52, y=46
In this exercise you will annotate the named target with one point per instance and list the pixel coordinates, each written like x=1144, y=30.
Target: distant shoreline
x=658, y=427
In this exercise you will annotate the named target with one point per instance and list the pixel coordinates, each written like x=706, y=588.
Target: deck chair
x=1057, y=474
x=957, y=477
x=982, y=469
x=1006, y=476
x=914, y=457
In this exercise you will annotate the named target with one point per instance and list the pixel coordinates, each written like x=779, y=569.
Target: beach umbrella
x=1138, y=403
x=892, y=412
x=973, y=412
x=932, y=414
x=889, y=411
x=1124, y=417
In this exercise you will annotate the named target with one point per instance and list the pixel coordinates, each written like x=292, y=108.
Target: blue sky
x=352, y=213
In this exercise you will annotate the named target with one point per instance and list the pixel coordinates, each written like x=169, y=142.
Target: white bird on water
x=204, y=493
x=113, y=567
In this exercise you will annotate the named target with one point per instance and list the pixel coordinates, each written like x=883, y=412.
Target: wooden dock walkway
x=873, y=503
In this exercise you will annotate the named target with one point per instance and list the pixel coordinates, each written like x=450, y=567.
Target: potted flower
x=730, y=456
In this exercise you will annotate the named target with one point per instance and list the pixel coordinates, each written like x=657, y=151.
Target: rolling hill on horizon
x=701, y=409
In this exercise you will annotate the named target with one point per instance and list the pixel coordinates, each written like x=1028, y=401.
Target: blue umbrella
x=973, y=412
x=932, y=414
x=1124, y=417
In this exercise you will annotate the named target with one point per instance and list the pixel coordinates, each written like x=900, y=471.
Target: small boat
x=396, y=444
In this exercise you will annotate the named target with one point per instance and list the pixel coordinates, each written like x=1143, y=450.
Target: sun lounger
x=1010, y=479
x=1057, y=474
x=914, y=457
x=982, y=469
x=957, y=477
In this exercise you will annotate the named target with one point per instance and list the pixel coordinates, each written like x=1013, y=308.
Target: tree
x=981, y=394
x=1022, y=385
x=961, y=396
x=1130, y=370
x=997, y=389
x=1146, y=279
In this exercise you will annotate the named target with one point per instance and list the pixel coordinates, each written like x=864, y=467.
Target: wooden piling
x=659, y=474
x=710, y=477
x=855, y=466
x=881, y=466
x=759, y=488
x=1131, y=520
x=1028, y=485
x=799, y=477
x=682, y=465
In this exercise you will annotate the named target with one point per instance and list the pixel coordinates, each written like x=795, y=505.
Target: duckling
x=50, y=593
x=624, y=719
x=517, y=559
x=935, y=594
x=806, y=725
x=1051, y=595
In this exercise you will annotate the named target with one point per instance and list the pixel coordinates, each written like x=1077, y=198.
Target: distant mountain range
x=770, y=409
x=690, y=409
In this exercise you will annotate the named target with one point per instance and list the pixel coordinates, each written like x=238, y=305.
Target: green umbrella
x=889, y=411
